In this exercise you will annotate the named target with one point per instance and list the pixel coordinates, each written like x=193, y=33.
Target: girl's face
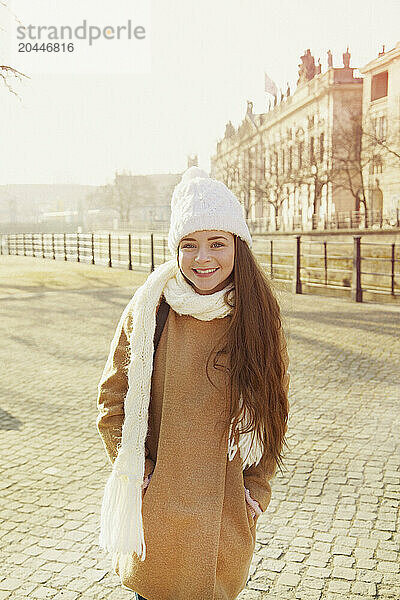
x=207, y=258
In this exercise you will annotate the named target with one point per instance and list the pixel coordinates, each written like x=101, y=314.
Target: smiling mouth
x=205, y=272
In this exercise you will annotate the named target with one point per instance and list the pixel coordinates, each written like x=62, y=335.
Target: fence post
x=152, y=250
x=53, y=245
x=130, y=252
x=43, y=253
x=92, y=248
x=78, y=258
x=65, y=246
x=326, y=263
x=33, y=245
x=398, y=217
x=356, y=290
x=16, y=244
x=109, y=250
x=393, y=263
x=24, y=244
x=297, y=288
x=271, y=258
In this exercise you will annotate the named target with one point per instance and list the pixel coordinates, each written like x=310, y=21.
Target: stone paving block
x=343, y=561
x=9, y=584
x=43, y=592
x=289, y=579
x=342, y=551
x=295, y=556
x=318, y=559
x=364, y=589
x=388, y=567
x=368, y=542
x=344, y=573
x=339, y=586
x=318, y=572
x=66, y=595
x=307, y=594
x=271, y=564
x=313, y=583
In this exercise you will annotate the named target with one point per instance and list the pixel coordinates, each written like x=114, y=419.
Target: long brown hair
x=257, y=356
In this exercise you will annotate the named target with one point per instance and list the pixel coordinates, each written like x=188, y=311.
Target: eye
x=220, y=243
x=187, y=245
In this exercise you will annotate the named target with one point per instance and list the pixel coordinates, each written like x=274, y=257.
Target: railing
x=122, y=251
x=312, y=263
x=352, y=219
x=354, y=266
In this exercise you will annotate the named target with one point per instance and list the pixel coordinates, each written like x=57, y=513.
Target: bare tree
x=380, y=137
x=354, y=154
x=126, y=193
x=9, y=75
x=310, y=165
x=238, y=180
x=270, y=180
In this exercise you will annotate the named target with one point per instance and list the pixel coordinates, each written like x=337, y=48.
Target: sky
x=207, y=59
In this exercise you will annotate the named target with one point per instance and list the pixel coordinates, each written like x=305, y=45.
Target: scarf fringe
x=122, y=499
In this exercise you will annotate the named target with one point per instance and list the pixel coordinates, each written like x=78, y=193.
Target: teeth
x=205, y=270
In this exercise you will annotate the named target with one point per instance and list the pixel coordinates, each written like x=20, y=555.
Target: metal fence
x=349, y=219
x=354, y=267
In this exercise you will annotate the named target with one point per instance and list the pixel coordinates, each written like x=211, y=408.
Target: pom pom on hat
x=200, y=203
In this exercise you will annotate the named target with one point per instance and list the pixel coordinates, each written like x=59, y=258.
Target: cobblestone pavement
x=332, y=529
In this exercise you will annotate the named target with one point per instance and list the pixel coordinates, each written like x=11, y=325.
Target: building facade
x=283, y=164
x=381, y=123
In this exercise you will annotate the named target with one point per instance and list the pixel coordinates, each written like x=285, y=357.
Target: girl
x=194, y=430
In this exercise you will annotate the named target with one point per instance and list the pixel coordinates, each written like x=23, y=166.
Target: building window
x=301, y=147
x=379, y=85
x=376, y=164
x=290, y=165
x=382, y=128
x=321, y=147
x=312, y=153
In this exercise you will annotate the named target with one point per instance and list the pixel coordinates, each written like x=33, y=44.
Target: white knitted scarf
x=121, y=529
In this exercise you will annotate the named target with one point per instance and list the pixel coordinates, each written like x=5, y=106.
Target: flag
x=270, y=86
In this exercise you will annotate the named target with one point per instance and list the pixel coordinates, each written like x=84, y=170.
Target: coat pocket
x=252, y=520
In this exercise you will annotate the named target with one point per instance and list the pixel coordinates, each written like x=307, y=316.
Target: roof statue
x=346, y=59
x=306, y=68
x=229, y=129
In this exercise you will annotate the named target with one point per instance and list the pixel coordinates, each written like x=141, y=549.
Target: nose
x=202, y=255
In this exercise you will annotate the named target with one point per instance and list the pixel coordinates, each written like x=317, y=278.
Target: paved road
x=331, y=531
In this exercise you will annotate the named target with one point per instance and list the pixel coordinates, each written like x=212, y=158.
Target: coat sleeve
x=257, y=477
x=112, y=390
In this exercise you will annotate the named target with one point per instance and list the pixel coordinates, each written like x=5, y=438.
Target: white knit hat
x=199, y=203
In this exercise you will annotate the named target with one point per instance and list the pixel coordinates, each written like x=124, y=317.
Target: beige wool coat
x=198, y=528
